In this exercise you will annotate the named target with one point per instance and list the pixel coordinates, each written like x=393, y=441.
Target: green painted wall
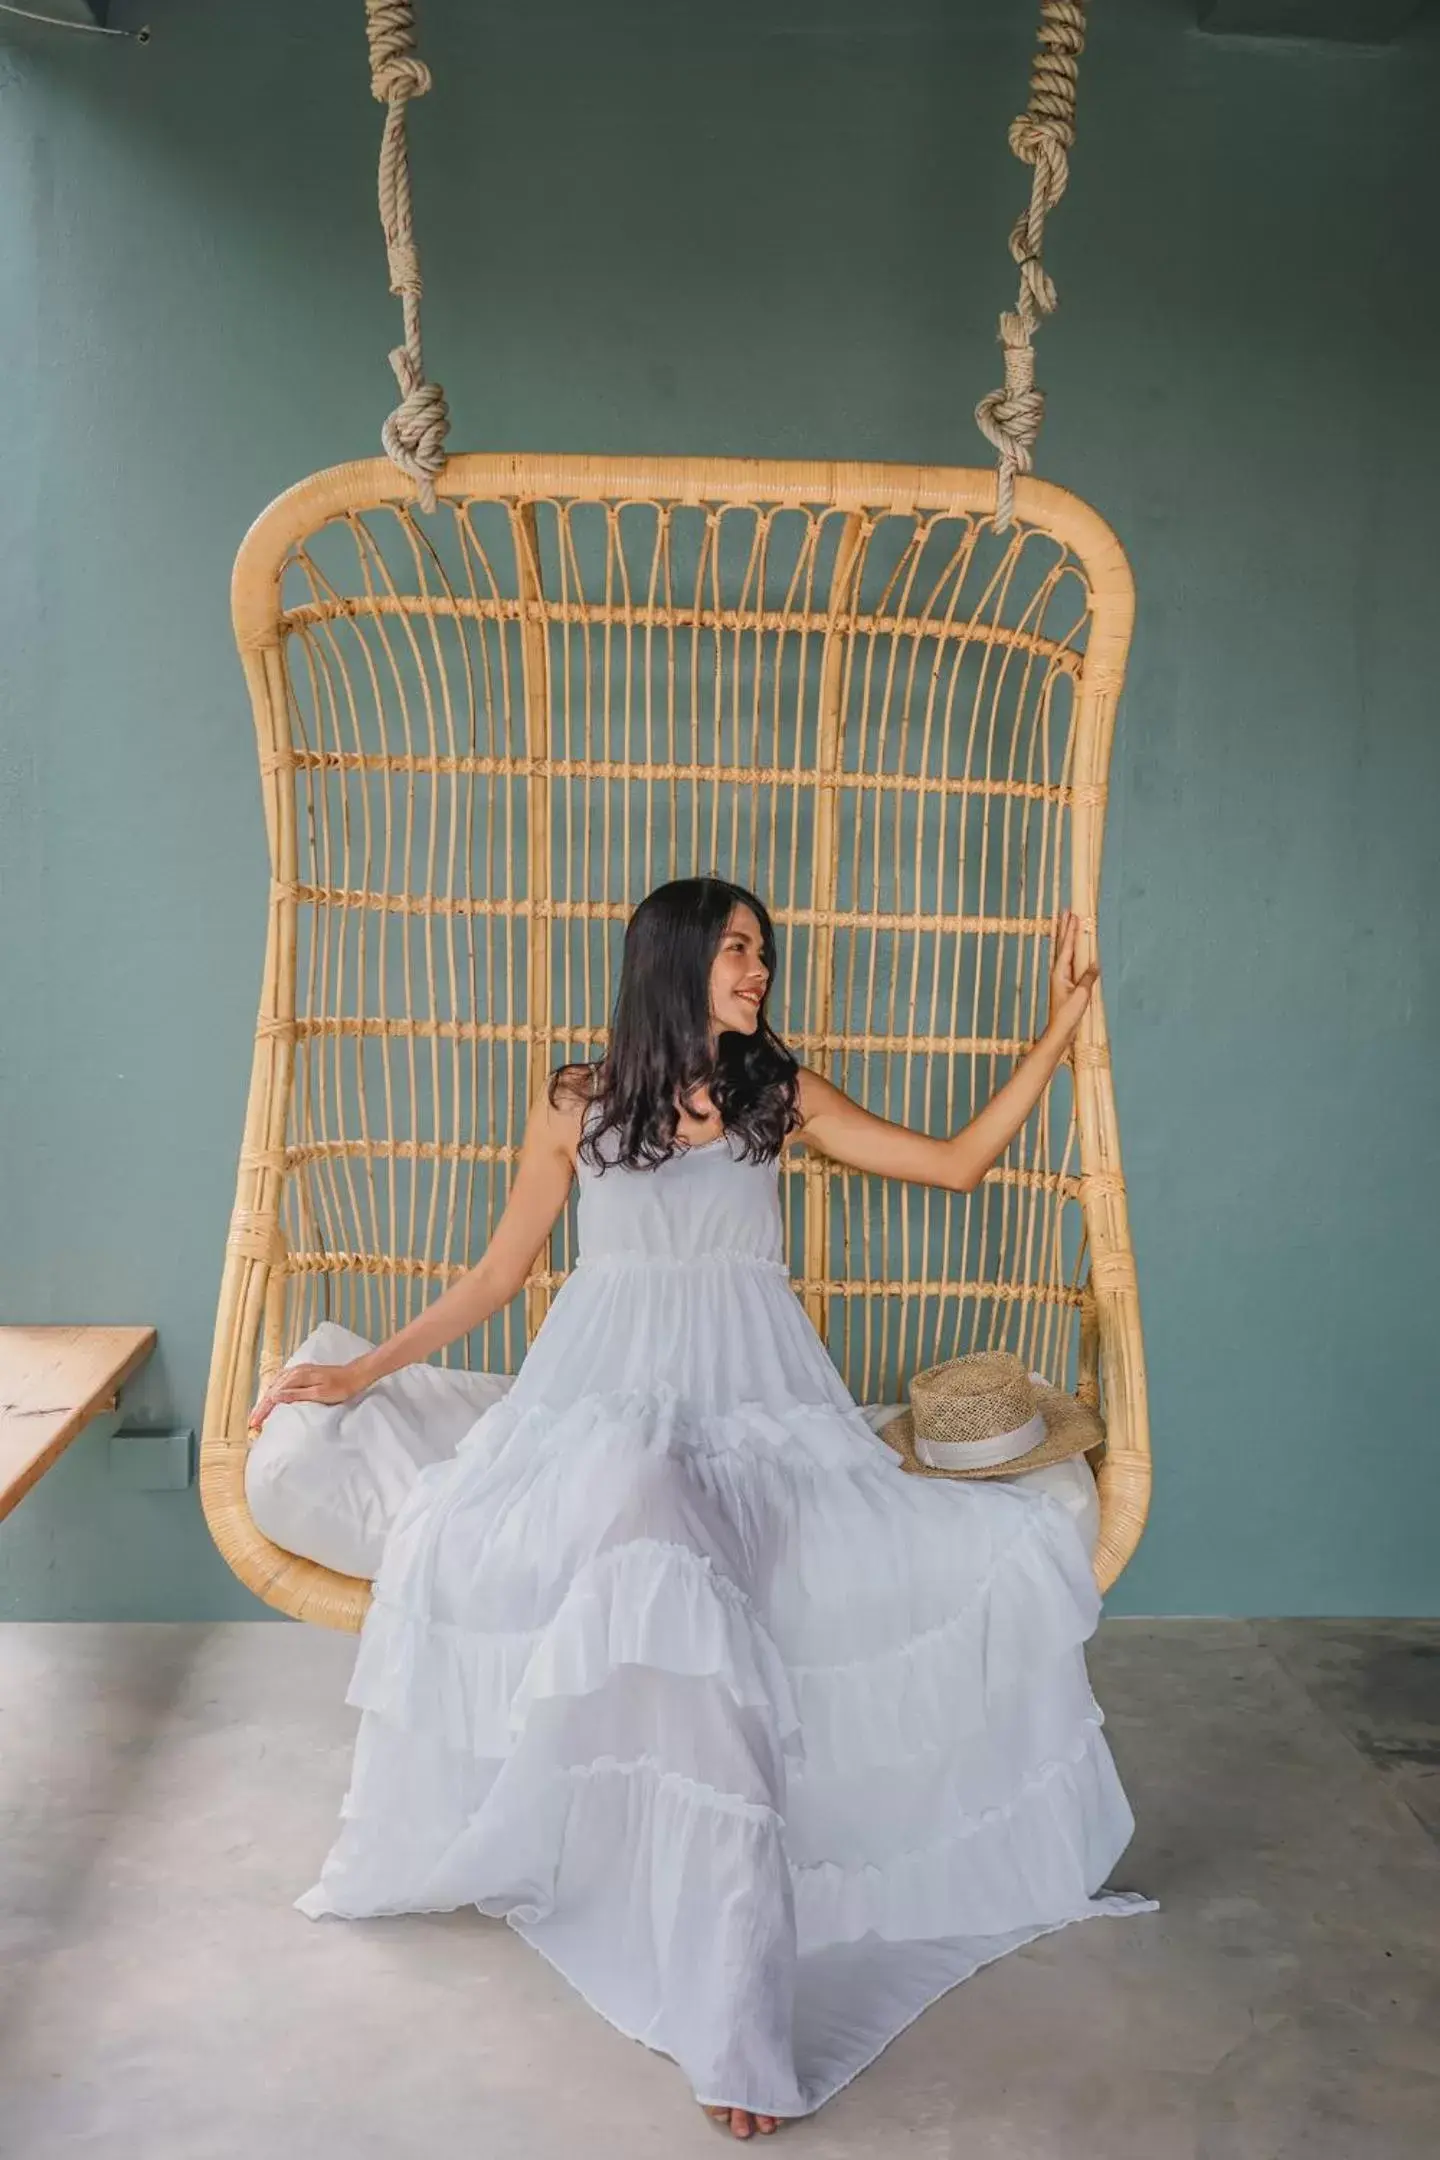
x=771, y=227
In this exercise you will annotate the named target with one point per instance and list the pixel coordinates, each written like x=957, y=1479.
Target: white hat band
x=982, y=1454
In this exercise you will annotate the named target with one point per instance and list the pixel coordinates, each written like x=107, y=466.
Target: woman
x=761, y=1742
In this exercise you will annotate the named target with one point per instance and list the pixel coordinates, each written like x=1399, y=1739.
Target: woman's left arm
x=834, y=1125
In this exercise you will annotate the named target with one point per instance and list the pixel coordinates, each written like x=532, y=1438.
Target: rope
x=414, y=435
x=1041, y=136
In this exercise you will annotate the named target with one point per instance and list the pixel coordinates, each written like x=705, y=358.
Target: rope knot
x=1037, y=142
x=395, y=80
x=414, y=435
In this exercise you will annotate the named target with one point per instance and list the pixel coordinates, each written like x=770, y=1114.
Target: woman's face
x=738, y=975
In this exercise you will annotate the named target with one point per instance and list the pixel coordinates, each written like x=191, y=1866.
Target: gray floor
x=166, y=1791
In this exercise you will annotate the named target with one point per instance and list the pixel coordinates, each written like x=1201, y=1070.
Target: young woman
x=762, y=1742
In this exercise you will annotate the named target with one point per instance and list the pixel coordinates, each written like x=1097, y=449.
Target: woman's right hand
x=1070, y=984
x=311, y=1383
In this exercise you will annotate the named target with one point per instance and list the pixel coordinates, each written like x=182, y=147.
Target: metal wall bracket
x=152, y=1461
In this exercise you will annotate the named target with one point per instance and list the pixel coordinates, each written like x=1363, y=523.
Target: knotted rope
x=1041, y=136
x=414, y=435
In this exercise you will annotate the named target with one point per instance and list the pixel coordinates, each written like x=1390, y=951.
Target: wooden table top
x=53, y=1380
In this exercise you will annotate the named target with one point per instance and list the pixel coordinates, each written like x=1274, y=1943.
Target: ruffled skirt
x=761, y=1742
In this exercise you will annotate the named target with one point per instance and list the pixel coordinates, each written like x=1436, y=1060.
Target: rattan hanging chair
x=487, y=729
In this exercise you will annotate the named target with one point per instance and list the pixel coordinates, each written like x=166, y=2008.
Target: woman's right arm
x=542, y=1183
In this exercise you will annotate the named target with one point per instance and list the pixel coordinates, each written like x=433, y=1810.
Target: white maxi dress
x=762, y=1742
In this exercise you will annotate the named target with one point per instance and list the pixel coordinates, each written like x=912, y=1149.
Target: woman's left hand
x=310, y=1383
x=1070, y=987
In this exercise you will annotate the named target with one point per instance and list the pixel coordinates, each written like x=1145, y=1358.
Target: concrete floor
x=166, y=1791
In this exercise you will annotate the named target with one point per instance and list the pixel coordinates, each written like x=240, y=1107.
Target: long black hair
x=660, y=1036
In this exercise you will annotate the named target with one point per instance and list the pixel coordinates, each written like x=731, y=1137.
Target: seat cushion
x=325, y=1480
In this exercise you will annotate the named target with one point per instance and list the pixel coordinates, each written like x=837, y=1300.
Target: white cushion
x=326, y=1480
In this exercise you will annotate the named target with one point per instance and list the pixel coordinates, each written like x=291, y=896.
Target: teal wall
x=771, y=227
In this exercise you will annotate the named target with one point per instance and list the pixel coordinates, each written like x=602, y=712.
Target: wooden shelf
x=53, y=1380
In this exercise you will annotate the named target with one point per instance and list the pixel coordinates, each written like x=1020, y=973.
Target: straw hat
x=985, y=1416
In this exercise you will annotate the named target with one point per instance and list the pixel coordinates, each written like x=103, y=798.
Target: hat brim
x=1071, y=1428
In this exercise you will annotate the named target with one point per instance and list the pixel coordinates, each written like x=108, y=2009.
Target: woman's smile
x=739, y=977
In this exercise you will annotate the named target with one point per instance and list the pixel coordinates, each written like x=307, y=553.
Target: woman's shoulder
x=576, y=1085
x=811, y=1090
x=572, y=1092
x=814, y=1093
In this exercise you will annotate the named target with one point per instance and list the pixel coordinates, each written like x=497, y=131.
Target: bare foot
x=741, y=2122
